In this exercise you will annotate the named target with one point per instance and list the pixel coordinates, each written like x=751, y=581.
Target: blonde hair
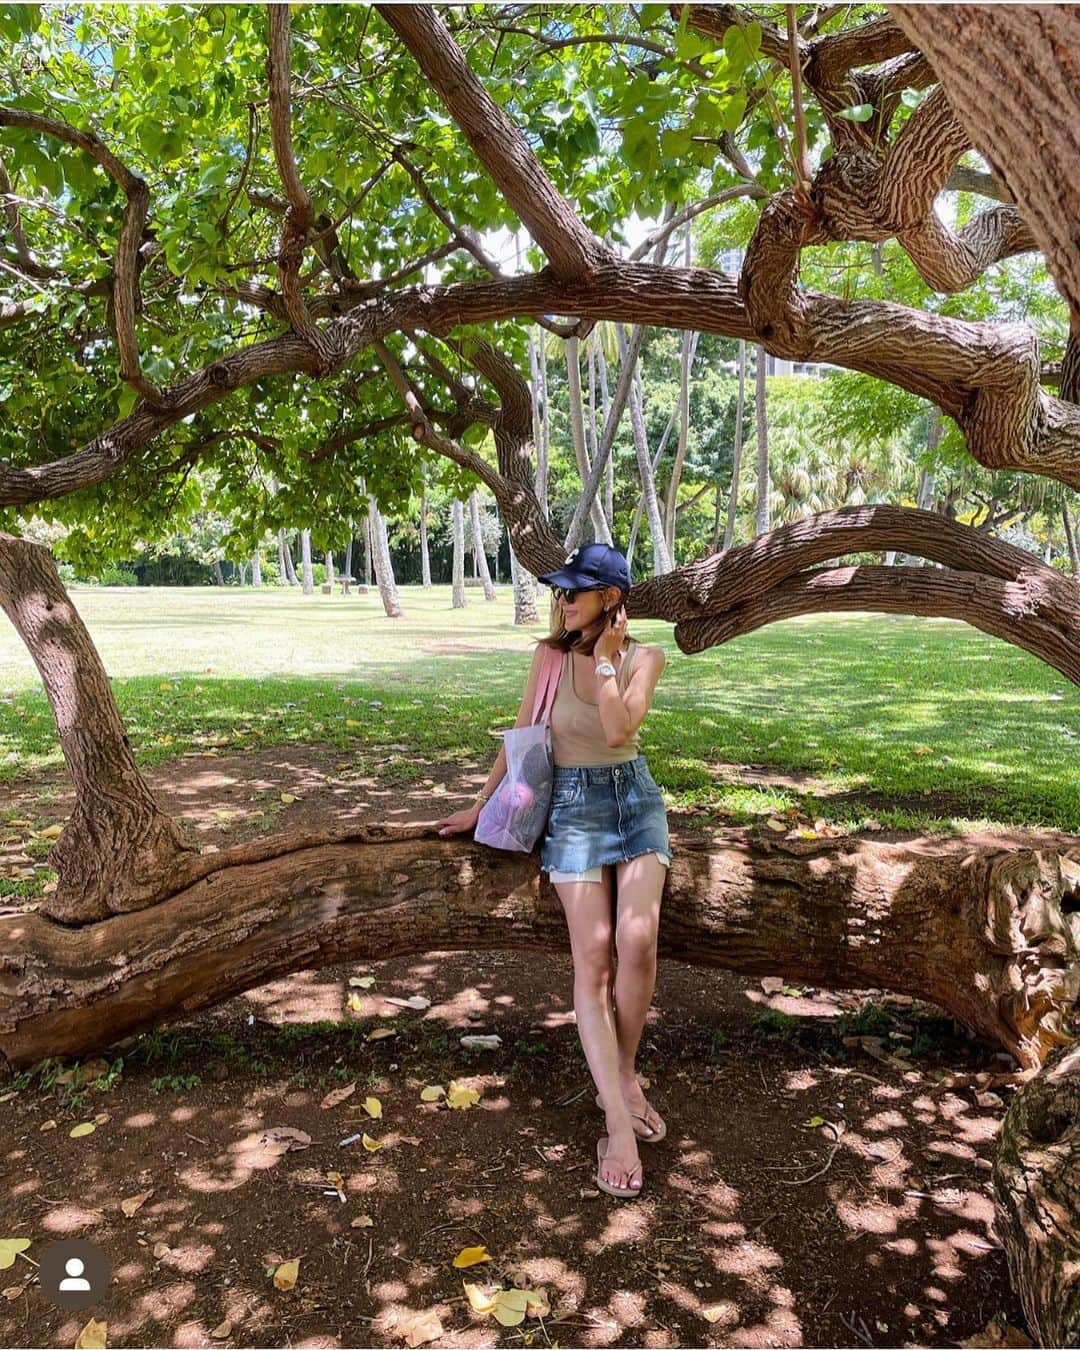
x=565, y=639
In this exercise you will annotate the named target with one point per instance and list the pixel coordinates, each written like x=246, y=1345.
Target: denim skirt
x=601, y=814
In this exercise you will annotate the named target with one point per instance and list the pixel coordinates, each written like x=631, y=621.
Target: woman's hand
x=460, y=821
x=610, y=642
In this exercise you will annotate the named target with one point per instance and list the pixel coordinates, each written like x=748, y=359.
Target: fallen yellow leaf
x=92, y=1336
x=356, y=1003
x=362, y=981
x=80, y=1131
x=510, y=1307
x=380, y=1033
x=372, y=1145
x=287, y=797
x=51, y=832
x=432, y=1094
x=362, y=1221
x=461, y=1098
x=471, y=1256
x=134, y=1203
x=374, y=1108
x=481, y=1297
x=10, y=1248
x=222, y=1331
x=286, y=1275
x=420, y=1328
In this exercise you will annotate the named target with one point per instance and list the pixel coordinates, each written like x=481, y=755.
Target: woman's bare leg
x=637, y=925
x=587, y=905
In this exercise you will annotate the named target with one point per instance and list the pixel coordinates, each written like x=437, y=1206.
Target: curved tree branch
x=126, y=267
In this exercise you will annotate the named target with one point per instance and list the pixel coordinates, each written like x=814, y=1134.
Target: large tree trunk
x=1037, y=1189
x=118, y=851
x=457, y=583
x=478, y=546
x=256, y=568
x=986, y=933
x=348, y=553
x=384, y=568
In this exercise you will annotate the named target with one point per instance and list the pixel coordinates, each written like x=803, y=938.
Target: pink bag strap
x=547, y=684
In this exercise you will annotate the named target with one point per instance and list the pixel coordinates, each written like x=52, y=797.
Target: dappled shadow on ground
x=808, y=1193
x=819, y=1184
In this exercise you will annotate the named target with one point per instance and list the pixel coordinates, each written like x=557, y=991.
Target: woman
x=607, y=815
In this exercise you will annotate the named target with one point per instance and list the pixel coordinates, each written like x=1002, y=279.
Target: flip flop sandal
x=627, y=1193
x=656, y=1135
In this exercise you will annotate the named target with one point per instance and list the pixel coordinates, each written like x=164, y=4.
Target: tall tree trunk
x=384, y=568
x=478, y=545
x=348, y=553
x=283, y=576
x=540, y=418
x=686, y=361
x=367, y=551
x=661, y=558
x=219, y=580
x=639, y=510
x=577, y=436
x=689, y=347
x=305, y=562
x=524, y=591
x=425, y=556
x=736, y=456
x=761, y=522
x=609, y=467
x=457, y=516
x=256, y=568
x=118, y=850
x=924, y=497
x=290, y=568
x=329, y=567
x=1070, y=539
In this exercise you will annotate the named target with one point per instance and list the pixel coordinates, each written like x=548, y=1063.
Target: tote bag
x=515, y=816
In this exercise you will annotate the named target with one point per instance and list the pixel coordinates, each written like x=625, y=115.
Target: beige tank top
x=577, y=734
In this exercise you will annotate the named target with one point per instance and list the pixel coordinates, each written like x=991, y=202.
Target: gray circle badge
x=74, y=1274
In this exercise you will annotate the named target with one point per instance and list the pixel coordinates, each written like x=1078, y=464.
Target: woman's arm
x=622, y=714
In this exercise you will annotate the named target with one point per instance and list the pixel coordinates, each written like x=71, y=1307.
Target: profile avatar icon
x=75, y=1274
x=74, y=1282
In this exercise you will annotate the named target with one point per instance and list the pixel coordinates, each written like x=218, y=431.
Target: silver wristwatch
x=605, y=668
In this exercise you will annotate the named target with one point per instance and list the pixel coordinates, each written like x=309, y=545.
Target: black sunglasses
x=570, y=593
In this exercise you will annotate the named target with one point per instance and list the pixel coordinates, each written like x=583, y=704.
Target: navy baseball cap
x=591, y=565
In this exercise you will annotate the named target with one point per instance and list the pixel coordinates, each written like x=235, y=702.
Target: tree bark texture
x=478, y=546
x=457, y=517
x=118, y=851
x=991, y=935
x=1037, y=1193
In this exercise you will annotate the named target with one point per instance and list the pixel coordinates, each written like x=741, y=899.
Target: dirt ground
x=809, y=1192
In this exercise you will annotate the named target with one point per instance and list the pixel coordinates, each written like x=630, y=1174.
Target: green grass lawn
x=921, y=724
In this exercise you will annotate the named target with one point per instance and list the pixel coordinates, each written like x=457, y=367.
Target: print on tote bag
x=515, y=816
